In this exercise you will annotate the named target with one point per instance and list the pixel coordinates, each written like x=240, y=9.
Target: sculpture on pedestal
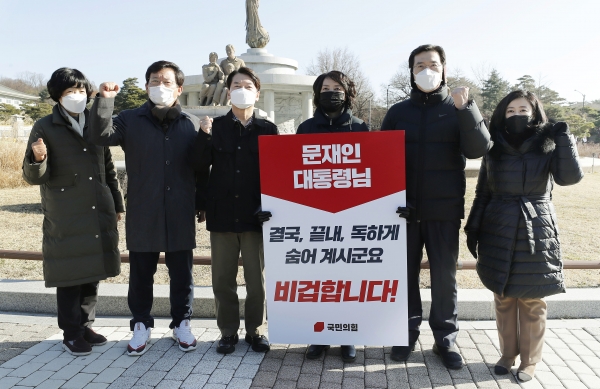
x=212, y=74
x=228, y=65
x=256, y=35
x=222, y=97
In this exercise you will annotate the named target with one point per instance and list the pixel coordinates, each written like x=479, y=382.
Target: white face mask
x=243, y=98
x=428, y=80
x=161, y=95
x=74, y=102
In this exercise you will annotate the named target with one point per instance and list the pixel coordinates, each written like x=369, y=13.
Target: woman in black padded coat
x=512, y=228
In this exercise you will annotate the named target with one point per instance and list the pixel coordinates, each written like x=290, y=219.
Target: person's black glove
x=472, y=243
x=262, y=216
x=559, y=129
x=405, y=212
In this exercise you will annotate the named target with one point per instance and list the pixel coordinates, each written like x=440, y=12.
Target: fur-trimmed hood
x=542, y=140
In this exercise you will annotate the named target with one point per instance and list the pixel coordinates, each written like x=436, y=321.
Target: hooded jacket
x=80, y=199
x=438, y=138
x=513, y=216
x=321, y=123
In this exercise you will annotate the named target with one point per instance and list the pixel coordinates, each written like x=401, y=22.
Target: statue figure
x=256, y=35
x=212, y=74
x=223, y=100
x=232, y=62
x=232, y=59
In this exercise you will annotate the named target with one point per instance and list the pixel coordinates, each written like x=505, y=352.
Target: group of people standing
x=179, y=166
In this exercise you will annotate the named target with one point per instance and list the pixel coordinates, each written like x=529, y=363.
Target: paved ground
x=31, y=357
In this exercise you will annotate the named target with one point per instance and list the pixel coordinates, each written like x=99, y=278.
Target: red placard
x=332, y=172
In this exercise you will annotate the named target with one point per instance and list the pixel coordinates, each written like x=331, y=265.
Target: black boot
x=315, y=350
x=401, y=353
x=348, y=353
x=450, y=356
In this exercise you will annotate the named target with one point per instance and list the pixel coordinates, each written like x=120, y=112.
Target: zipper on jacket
x=420, y=159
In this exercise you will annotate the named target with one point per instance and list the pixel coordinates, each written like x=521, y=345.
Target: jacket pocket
x=63, y=182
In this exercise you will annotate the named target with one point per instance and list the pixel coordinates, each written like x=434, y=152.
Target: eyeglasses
x=157, y=82
x=436, y=67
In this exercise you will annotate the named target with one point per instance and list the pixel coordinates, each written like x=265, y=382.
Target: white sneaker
x=183, y=335
x=139, y=341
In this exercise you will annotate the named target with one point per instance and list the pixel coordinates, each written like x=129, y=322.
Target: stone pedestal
x=286, y=97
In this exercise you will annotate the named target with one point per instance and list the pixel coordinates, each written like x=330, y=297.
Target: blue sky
x=558, y=41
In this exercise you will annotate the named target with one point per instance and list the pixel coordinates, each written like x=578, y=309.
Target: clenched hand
x=460, y=96
x=108, y=89
x=39, y=150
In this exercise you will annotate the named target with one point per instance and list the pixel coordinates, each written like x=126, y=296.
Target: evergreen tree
x=130, y=96
x=37, y=111
x=7, y=110
x=494, y=89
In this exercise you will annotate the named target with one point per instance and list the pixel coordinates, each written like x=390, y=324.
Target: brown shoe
x=526, y=372
x=93, y=338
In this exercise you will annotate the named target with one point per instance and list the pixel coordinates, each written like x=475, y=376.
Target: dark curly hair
x=340, y=78
x=497, y=123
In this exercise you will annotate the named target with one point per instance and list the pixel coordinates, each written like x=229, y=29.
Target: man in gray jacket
x=156, y=138
x=442, y=128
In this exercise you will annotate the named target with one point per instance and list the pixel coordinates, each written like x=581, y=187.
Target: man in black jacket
x=441, y=130
x=228, y=198
x=156, y=138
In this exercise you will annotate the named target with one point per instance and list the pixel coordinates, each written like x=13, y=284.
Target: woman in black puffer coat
x=512, y=229
x=334, y=93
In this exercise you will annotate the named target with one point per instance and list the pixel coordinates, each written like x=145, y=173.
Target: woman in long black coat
x=81, y=202
x=512, y=228
x=334, y=93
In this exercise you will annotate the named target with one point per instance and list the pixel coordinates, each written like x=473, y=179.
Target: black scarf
x=165, y=115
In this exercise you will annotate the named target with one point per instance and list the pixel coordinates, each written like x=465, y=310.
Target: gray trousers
x=225, y=249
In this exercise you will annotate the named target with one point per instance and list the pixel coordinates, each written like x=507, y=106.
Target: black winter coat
x=513, y=217
x=320, y=123
x=80, y=199
x=438, y=138
x=160, y=181
x=229, y=185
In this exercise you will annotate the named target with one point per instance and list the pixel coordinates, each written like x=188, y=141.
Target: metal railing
x=206, y=260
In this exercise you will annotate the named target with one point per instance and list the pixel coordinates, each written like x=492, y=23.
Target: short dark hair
x=247, y=71
x=422, y=49
x=340, y=78
x=159, y=65
x=65, y=78
x=497, y=123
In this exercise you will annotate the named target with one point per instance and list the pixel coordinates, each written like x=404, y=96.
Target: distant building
x=15, y=98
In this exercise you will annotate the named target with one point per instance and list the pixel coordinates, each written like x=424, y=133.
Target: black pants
x=76, y=307
x=141, y=286
x=440, y=239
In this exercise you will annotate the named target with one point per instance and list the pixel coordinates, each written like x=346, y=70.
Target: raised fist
x=206, y=124
x=108, y=89
x=39, y=150
x=460, y=96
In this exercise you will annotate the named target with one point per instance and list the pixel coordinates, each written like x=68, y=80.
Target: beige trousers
x=225, y=250
x=521, y=326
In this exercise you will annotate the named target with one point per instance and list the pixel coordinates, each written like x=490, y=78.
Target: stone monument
x=256, y=36
x=286, y=97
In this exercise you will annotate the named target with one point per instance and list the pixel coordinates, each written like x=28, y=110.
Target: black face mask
x=332, y=101
x=517, y=124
